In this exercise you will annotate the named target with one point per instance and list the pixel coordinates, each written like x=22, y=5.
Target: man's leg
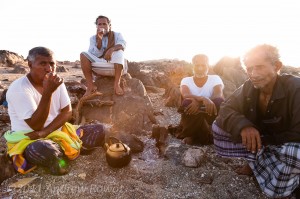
x=92, y=136
x=226, y=148
x=118, y=73
x=87, y=72
x=48, y=154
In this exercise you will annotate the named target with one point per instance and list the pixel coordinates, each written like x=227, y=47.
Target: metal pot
x=117, y=154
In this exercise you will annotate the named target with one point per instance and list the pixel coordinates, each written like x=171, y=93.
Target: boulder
x=61, y=68
x=231, y=72
x=6, y=166
x=10, y=59
x=20, y=69
x=132, y=141
x=175, y=150
x=131, y=113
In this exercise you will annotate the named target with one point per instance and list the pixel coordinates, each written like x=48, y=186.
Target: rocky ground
x=149, y=174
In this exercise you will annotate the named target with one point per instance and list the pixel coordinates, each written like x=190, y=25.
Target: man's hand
x=193, y=107
x=251, y=139
x=108, y=54
x=99, y=36
x=34, y=135
x=51, y=82
x=210, y=107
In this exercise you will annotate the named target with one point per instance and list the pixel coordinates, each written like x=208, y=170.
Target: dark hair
x=39, y=51
x=102, y=16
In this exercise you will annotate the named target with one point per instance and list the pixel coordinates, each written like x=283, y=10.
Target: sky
x=154, y=29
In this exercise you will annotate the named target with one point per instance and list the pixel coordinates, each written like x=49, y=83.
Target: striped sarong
x=276, y=168
x=101, y=67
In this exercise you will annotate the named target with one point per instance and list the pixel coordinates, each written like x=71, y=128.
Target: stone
x=175, y=150
x=20, y=69
x=6, y=168
x=193, y=157
x=131, y=113
x=132, y=141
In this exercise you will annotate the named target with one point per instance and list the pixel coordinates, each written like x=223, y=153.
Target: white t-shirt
x=23, y=100
x=207, y=89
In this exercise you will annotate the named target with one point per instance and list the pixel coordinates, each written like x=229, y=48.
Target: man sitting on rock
x=39, y=108
x=105, y=56
x=260, y=121
x=202, y=95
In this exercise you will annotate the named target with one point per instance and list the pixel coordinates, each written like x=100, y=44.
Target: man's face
x=102, y=23
x=200, y=67
x=260, y=70
x=41, y=66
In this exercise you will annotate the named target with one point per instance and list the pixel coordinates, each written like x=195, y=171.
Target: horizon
x=155, y=29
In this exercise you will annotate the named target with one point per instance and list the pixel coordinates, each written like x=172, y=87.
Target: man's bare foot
x=244, y=170
x=119, y=90
x=90, y=90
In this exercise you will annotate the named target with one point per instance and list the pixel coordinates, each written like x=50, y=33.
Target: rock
x=231, y=72
x=150, y=152
x=76, y=88
x=6, y=168
x=290, y=70
x=82, y=176
x=132, y=112
x=193, y=157
x=61, y=68
x=3, y=96
x=229, y=88
x=160, y=134
x=132, y=141
x=174, y=151
x=10, y=59
x=20, y=69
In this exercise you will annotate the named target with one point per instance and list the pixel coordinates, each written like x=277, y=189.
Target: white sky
x=154, y=29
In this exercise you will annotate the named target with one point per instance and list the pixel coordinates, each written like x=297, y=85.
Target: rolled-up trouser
x=47, y=153
x=106, y=68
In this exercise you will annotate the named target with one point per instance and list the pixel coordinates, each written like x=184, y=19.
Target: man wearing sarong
x=39, y=109
x=202, y=95
x=105, y=56
x=260, y=121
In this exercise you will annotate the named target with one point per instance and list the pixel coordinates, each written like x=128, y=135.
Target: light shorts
x=101, y=67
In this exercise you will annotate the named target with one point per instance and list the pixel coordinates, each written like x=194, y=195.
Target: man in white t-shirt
x=202, y=95
x=39, y=108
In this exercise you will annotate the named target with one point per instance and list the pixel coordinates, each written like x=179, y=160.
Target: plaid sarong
x=276, y=168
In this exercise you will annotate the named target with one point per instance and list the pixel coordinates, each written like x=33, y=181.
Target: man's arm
x=292, y=133
x=39, y=117
x=110, y=51
x=209, y=105
x=59, y=121
x=231, y=117
x=218, y=92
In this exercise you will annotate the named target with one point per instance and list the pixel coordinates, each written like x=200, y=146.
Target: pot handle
x=110, y=138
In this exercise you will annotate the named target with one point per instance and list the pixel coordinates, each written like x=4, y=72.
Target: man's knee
x=41, y=151
x=83, y=58
x=118, y=66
